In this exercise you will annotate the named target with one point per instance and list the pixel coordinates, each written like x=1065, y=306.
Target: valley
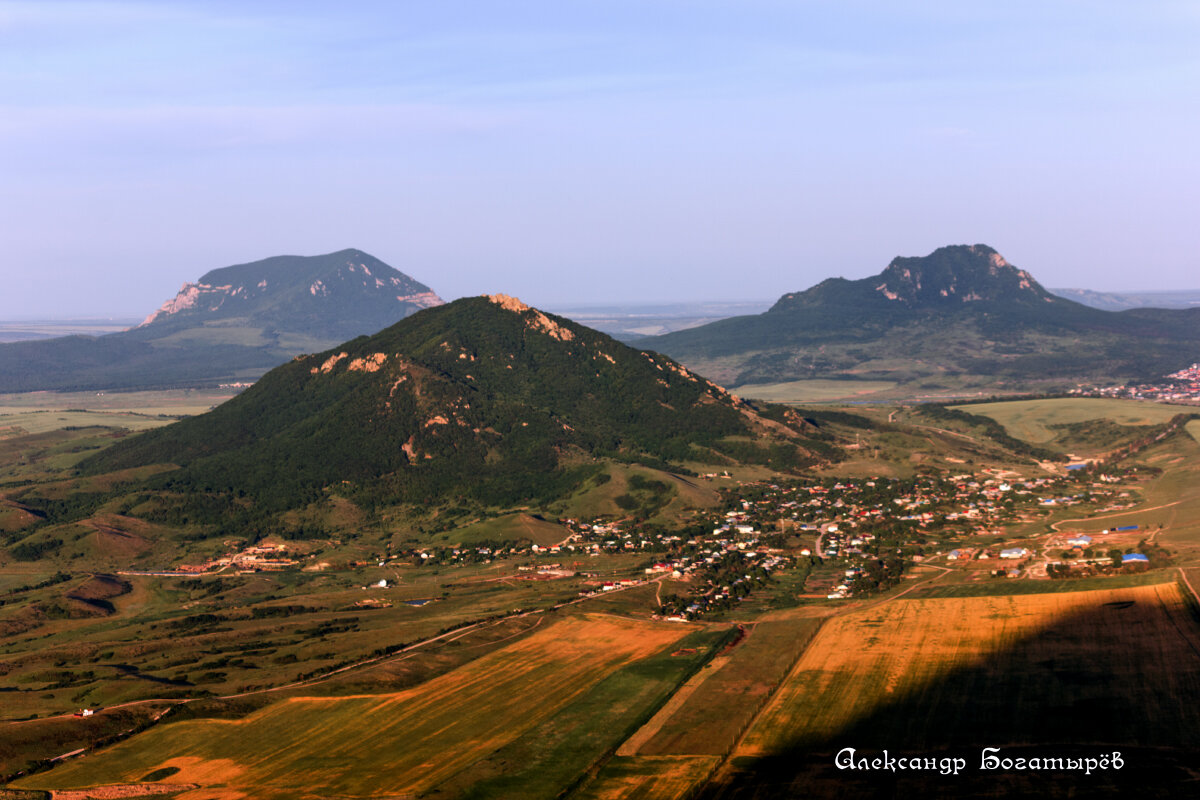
x=623, y=641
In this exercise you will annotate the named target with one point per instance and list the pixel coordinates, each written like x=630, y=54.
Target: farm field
x=45, y=421
x=407, y=742
x=166, y=401
x=813, y=391
x=1031, y=419
x=1115, y=666
x=712, y=716
x=679, y=747
x=648, y=778
x=42, y=412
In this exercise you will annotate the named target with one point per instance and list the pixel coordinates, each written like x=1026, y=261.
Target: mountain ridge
x=961, y=316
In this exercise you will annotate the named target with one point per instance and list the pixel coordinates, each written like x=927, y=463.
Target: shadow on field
x=1120, y=677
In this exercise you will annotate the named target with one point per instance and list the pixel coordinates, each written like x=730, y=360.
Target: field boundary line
x=1195, y=598
x=720, y=766
x=1054, y=525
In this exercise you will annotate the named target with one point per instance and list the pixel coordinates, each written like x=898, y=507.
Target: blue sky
x=573, y=152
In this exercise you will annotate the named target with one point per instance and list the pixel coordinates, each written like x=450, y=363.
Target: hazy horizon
x=664, y=151
x=617, y=305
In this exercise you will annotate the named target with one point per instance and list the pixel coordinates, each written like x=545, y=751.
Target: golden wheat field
x=1069, y=666
x=378, y=745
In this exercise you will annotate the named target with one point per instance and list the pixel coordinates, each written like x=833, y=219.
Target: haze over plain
x=613, y=152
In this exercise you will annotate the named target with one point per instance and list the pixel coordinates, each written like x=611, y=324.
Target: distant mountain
x=484, y=401
x=233, y=324
x=961, y=317
x=1120, y=301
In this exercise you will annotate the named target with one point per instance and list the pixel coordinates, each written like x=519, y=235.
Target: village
x=839, y=538
x=1178, y=387
x=851, y=537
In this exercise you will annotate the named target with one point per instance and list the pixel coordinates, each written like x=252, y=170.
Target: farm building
x=1082, y=540
x=1135, y=558
x=1014, y=552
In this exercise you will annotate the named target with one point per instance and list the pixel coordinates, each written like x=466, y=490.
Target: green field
x=170, y=401
x=300, y=747
x=813, y=391
x=42, y=412
x=46, y=421
x=1031, y=420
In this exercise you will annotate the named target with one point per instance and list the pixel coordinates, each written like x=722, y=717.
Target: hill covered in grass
x=232, y=325
x=484, y=402
x=960, y=317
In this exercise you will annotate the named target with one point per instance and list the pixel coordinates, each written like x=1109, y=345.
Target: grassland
x=814, y=391
x=510, y=527
x=46, y=412
x=171, y=402
x=446, y=724
x=227, y=634
x=1032, y=420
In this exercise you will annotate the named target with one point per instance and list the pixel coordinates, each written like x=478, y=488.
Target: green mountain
x=484, y=402
x=233, y=324
x=961, y=317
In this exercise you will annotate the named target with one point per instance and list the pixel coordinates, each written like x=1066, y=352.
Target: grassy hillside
x=482, y=404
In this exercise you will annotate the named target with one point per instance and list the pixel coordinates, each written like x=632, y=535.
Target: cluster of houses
x=1178, y=387
x=851, y=531
x=721, y=558
x=263, y=557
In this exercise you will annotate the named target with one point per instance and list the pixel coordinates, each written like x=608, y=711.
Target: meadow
x=171, y=402
x=1032, y=420
x=815, y=391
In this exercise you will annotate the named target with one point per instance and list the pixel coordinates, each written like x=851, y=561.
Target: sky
x=573, y=152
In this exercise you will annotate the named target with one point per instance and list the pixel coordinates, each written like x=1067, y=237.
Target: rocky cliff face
x=958, y=274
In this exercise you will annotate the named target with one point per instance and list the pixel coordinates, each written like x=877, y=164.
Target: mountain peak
x=958, y=274
x=534, y=319
x=350, y=279
x=484, y=397
x=507, y=302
